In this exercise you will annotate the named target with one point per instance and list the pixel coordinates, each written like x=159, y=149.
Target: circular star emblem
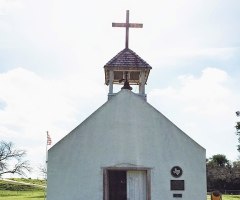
x=176, y=171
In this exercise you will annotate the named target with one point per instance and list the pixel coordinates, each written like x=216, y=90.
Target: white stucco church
x=126, y=149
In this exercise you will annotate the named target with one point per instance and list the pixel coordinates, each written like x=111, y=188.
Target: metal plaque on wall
x=177, y=185
x=177, y=195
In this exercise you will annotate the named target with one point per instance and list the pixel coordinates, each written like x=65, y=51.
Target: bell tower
x=127, y=67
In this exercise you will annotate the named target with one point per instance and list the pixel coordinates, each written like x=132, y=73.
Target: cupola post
x=111, y=77
x=142, y=83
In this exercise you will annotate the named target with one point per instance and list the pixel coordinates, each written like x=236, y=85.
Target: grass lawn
x=19, y=191
x=21, y=195
x=227, y=197
x=32, y=181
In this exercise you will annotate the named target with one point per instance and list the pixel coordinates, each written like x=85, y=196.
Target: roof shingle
x=127, y=58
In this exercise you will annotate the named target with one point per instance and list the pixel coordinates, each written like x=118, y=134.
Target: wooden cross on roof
x=127, y=25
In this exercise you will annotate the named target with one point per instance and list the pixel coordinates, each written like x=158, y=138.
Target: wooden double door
x=127, y=184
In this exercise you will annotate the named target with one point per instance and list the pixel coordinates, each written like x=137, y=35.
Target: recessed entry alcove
x=121, y=183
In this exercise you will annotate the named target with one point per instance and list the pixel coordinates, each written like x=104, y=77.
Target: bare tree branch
x=43, y=171
x=11, y=160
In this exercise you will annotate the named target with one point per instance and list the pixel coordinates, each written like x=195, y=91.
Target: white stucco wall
x=125, y=130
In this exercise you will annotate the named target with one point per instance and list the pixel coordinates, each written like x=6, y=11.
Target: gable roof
x=126, y=109
x=127, y=59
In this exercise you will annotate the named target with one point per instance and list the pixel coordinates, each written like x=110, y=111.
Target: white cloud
x=204, y=108
x=33, y=105
x=31, y=100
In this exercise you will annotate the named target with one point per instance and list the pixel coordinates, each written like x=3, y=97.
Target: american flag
x=49, y=140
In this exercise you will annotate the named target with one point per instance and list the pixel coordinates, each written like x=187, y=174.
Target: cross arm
x=130, y=25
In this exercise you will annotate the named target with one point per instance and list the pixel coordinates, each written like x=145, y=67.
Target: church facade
x=126, y=150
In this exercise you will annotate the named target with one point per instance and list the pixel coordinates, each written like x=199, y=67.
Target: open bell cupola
x=127, y=68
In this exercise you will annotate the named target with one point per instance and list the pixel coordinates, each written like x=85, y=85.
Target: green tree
x=219, y=160
x=235, y=180
x=218, y=172
x=11, y=160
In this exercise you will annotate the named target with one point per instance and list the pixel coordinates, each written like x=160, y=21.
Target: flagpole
x=49, y=142
x=45, y=192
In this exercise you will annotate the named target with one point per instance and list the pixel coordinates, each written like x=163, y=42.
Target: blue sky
x=52, y=54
